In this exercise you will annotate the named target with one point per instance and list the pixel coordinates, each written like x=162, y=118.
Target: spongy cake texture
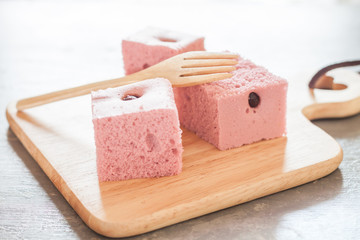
x=220, y=113
x=153, y=45
x=139, y=138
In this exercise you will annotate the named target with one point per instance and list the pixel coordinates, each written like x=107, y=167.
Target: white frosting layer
x=154, y=94
x=160, y=37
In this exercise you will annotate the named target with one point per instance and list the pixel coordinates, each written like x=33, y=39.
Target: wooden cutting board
x=59, y=136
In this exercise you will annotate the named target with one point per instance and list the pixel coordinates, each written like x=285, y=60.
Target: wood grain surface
x=59, y=136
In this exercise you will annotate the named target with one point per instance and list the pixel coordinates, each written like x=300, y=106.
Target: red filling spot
x=163, y=39
x=130, y=97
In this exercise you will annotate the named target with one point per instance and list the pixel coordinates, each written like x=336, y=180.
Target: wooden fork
x=187, y=69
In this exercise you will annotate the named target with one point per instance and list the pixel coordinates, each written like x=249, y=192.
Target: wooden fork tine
x=208, y=74
x=201, y=79
x=208, y=63
x=209, y=55
x=206, y=70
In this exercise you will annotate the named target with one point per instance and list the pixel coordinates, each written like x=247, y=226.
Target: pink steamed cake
x=139, y=137
x=220, y=113
x=152, y=45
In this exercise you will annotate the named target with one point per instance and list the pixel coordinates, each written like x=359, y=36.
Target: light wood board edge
x=344, y=102
x=184, y=212
x=232, y=197
x=332, y=110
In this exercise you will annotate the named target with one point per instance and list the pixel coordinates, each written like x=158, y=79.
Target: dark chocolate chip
x=254, y=100
x=145, y=66
x=130, y=97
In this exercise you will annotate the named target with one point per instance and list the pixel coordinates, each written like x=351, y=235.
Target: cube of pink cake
x=152, y=45
x=246, y=108
x=137, y=131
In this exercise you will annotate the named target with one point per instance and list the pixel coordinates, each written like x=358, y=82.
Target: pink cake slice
x=152, y=45
x=137, y=131
x=246, y=108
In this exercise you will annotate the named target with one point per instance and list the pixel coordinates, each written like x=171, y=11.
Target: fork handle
x=78, y=91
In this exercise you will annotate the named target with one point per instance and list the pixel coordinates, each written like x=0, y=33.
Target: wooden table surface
x=48, y=45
